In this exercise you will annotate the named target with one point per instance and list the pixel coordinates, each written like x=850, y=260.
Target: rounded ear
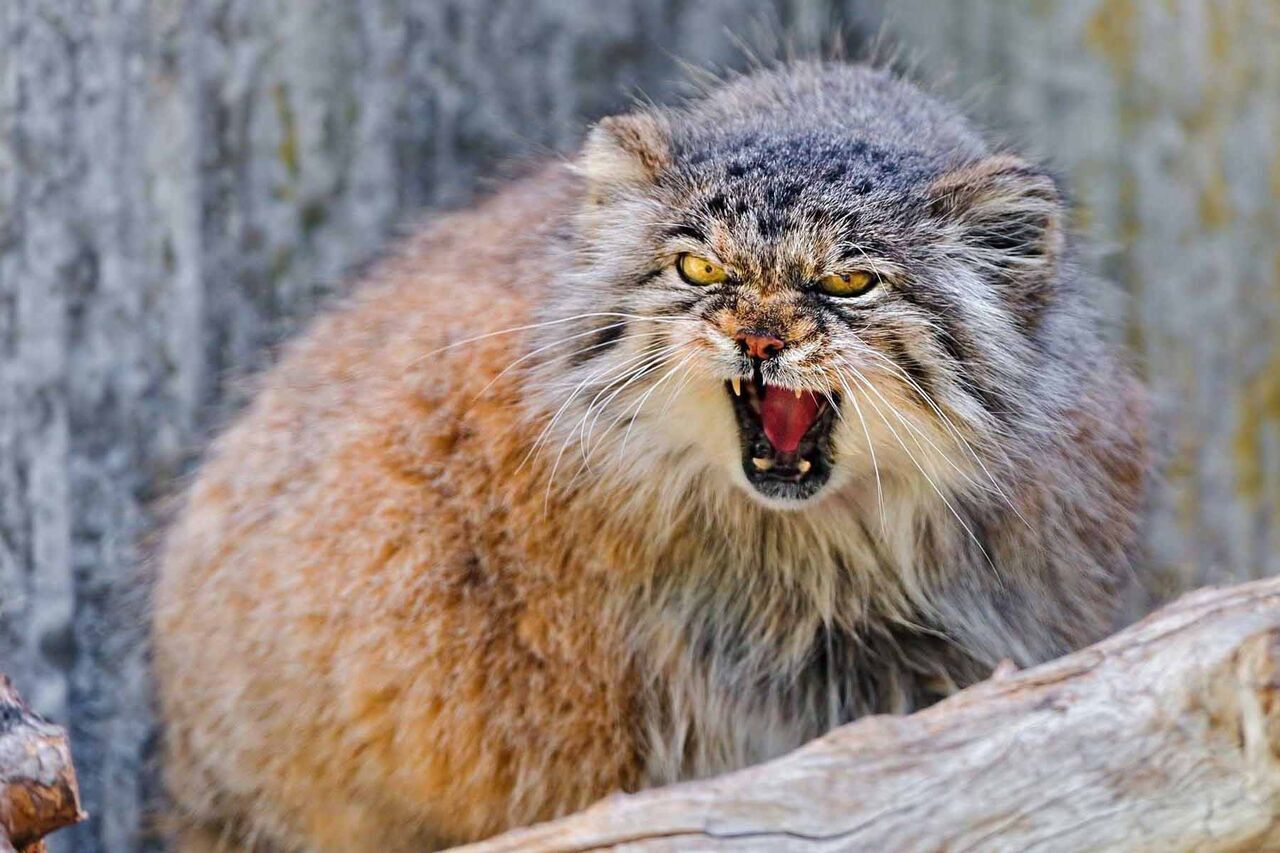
x=624, y=152
x=1007, y=214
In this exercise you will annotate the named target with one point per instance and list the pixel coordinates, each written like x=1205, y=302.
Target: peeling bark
x=1164, y=737
x=38, y=791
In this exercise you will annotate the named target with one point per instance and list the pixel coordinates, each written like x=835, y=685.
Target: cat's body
x=438, y=582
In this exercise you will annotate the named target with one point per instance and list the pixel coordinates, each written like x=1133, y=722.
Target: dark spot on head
x=769, y=223
x=785, y=194
x=687, y=229
x=717, y=205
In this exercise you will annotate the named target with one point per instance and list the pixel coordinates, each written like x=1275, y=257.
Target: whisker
x=553, y=345
x=917, y=434
x=649, y=366
x=530, y=326
x=875, y=465
x=649, y=393
x=932, y=484
x=560, y=411
x=677, y=388
x=654, y=358
x=964, y=442
x=647, y=357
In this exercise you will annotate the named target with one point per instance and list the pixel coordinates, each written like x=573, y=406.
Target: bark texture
x=1165, y=737
x=183, y=181
x=38, y=792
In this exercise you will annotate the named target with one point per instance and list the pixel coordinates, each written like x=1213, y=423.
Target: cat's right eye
x=847, y=284
x=700, y=271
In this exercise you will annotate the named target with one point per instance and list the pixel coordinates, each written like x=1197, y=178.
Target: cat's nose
x=758, y=344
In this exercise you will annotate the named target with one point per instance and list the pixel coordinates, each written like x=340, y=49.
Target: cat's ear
x=624, y=152
x=1008, y=215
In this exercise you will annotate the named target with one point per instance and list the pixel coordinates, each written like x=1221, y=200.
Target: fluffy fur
x=482, y=549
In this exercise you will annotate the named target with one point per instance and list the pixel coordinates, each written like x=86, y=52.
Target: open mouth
x=785, y=435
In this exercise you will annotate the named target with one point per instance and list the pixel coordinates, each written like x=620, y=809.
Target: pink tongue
x=787, y=417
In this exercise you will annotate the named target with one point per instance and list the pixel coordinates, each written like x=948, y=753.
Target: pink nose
x=758, y=344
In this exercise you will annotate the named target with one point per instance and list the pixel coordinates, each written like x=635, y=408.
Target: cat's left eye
x=848, y=284
x=700, y=271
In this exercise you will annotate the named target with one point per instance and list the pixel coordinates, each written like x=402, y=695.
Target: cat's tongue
x=787, y=417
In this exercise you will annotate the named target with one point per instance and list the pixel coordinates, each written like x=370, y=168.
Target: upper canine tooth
x=797, y=393
x=761, y=464
x=737, y=386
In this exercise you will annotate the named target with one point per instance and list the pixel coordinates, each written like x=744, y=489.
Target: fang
x=737, y=386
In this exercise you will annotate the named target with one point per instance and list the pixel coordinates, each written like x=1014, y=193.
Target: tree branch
x=1165, y=736
x=38, y=791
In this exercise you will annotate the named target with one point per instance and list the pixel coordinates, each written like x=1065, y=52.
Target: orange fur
x=367, y=628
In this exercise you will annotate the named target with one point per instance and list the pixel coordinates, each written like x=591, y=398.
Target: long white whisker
x=875, y=465
x=933, y=485
x=964, y=442
x=553, y=345
x=917, y=434
x=546, y=430
x=640, y=403
x=530, y=326
x=649, y=366
x=651, y=360
x=955, y=431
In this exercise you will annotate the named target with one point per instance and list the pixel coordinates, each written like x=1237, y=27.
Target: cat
x=774, y=408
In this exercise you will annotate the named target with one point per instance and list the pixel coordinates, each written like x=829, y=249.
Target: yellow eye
x=701, y=271
x=848, y=284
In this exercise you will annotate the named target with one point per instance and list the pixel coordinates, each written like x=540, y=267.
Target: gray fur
x=927, y=558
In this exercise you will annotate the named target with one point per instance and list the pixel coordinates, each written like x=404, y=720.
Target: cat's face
x=792, y=312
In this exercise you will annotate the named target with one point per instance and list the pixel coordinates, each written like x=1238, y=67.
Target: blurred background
x=182, y=182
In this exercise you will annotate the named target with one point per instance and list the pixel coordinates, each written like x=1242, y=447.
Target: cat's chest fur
x=745, y=658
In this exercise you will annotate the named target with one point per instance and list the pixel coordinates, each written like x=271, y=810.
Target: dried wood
x=1163, y=737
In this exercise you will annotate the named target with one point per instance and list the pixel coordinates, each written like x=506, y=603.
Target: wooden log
x=1163, y=737
x=38, y=791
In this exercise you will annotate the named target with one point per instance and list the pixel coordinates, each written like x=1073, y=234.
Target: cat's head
x=808, y=277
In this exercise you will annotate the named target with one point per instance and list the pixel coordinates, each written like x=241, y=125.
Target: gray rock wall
x=183, y=181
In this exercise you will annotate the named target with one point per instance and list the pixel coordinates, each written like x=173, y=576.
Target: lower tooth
x=761, y=464
x=804, y=465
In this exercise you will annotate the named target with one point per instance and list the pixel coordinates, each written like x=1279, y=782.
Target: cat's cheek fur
x=700, y=418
